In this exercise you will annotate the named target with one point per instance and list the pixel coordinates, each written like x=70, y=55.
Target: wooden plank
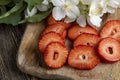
x=10, y=38
x=30, y=62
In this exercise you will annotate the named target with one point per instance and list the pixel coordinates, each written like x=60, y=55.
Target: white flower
x=111, y=5
x=29, y=13
x=91, y=20
x=93, y=17
x=81, y=20
x=86, y=2
x=65, y=8
x=96, y=8
x=96, y=11
x=94, y=21
x=44, y=6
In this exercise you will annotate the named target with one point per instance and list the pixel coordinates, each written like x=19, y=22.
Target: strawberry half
x=58, y=28
x=111, y=29
x=76, y=30
x=86, y=39
x=55, y=55
x=48, y=38
x=109, y=50
x=83, y=57
x=51, y=20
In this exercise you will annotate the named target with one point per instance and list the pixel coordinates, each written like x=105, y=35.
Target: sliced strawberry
x=86, y=39
x=55, y=55
x=83, y=57
x=51, y=20
x=58, y=28
x=111, y=29
x=48, y=38
x=76, y=30
x=64, y=34
x=109, y=50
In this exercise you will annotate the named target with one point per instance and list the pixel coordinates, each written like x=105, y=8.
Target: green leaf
x=13, y=16
x=33, y=2
x=11, y=19
x=14, y=9
x=2, y=10
x=4, y=2
x=36, y=18
x=17, y=1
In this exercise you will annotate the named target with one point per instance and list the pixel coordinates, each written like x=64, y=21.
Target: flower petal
x=58, y=2
x=72, y=12
x=86, y=2
x=68, y=20
x=45, y=2
x=82, y=21
x=42, y=7
x=96, y=8
x=29, y=13
x=74, y=2
x=113, y=3
x=58, y=13
x=111, y=10
x=94, y=21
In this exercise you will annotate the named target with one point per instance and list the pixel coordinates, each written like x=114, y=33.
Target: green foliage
x=12, y=11
x=33, y=2
x=4, y=2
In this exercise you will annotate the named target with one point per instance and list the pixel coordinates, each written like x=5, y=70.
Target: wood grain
x=10, y=38
x=30, y=61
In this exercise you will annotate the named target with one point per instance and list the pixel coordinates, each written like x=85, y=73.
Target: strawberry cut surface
x=55, y=55
x=58, y=28
x=51, y=20
x=76, y=30
x=86, y=39
x=48, y=38
x=83, y=57
x=111, y=29
x=109, y=50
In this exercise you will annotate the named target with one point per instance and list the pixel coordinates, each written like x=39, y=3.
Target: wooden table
x=10, y=38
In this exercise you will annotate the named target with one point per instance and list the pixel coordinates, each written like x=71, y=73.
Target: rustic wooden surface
x=10, y=38
x=30, y=61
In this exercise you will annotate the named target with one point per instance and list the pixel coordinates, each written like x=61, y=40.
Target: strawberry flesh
x=51, y=20
x=111, y=29
x=86, y=39
x=109, y=50
x=83, y=57
x=76, y=30
x=48, y=38
x=55, y=55
x=58, y=28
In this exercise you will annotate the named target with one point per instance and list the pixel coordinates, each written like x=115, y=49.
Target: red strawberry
x=111, y=29
x=51, y=20
x=83, y=57
x=55, y=55
x=76, y=30
x=64, y=34
x=109, y=50
x=86, y=39
x=48, y=38
x=58, y=28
